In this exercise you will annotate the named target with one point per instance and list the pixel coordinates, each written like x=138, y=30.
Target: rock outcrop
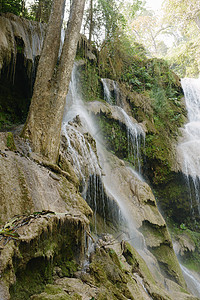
x=18, y=35
x=21, y=43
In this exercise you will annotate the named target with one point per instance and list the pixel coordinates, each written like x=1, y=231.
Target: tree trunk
x=39, y=11
x=43, y=125
x=91, y=21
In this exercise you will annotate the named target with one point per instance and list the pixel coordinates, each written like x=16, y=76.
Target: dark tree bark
x=43, y=125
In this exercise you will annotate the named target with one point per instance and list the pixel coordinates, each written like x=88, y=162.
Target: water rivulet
x=135, y=132
x=122, y=203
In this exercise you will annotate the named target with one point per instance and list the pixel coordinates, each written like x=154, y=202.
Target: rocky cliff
x=89, y=227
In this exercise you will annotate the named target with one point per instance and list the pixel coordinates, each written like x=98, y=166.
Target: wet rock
x=184, y=244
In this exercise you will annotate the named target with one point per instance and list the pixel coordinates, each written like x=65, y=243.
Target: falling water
x=105, y=197
x=135, y=136
x=107, y=86
x=135, y=132
x=80, y=152
x=192, y=281
x=102, y=193
x=189, y=149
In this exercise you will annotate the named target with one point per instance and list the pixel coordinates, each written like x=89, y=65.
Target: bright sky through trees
x=154, y=4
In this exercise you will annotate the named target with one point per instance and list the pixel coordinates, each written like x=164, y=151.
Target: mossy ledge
x=53, y=240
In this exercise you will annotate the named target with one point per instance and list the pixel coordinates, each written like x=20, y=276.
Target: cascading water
x=80, y=152
x=189, y=149
x=102, y=193
x=86, y=164
x=192, y=281
x=189, y=158
x=111, y=99
x=135, y=132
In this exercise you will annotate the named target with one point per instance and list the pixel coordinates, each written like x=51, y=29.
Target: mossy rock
x=169, y=263
x=106, y=270
x=137, y=262
x=189, y=251
x=55, y=292
x=10, y=143
x=174, y=199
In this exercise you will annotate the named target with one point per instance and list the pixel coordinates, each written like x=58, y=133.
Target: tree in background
x=185, y=12
x=101, y=20
x=16, y=7
x=184, y=56
x=40, y=10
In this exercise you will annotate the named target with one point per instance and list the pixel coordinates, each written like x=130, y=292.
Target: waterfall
x=105, y=179
x=107, y=86
x=77, y=125
x=103, y=188
x=189, y=149
x=135, y=132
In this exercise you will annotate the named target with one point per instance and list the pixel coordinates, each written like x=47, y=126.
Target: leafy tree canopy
x=12, y=6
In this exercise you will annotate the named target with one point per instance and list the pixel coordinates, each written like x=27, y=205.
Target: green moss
x=10, y=142
x=32, y=279
x=138, y=264
x=54, y=293
x=52, y=289
x=68, y=268
x=115, y=135
x=59, y=245
x=168, y=263
x=190, y=259
x=155, y=234
x=91, y=82
x=173, y=196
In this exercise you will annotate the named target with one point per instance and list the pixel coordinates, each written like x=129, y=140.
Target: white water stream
x=189, y=149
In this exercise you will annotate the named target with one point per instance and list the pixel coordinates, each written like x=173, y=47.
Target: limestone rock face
x=116, y=271
x=27, y=186
x=141, y=212
x=112, y=112
x=19, y=35
x=21, y=43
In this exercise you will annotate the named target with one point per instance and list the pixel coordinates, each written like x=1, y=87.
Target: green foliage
x=11, y=6
x=183, y=226
x=184, y=58
x=90, y=82
x=40, y=10
x=185, y=53
x=110, y=16
x=10, y=141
